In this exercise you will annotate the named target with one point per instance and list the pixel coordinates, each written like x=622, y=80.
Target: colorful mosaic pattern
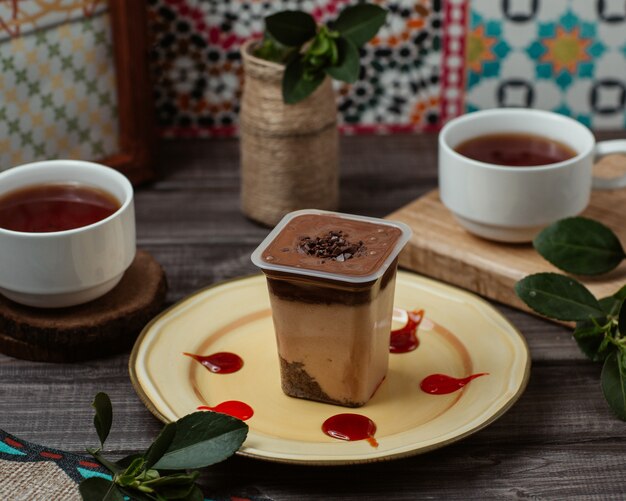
x=197, y=69
x=58, y=93
x=567, y=56
x=398, y=89
x=433, y=60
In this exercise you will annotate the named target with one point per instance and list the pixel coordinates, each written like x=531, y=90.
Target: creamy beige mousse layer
x=334, y=353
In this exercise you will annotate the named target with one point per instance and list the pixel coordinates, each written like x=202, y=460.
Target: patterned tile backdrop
x=57, y=81
x=567, y=56
x=433, y=60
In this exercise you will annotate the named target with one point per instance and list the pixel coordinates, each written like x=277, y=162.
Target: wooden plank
x=461, y=472
x=442, y=249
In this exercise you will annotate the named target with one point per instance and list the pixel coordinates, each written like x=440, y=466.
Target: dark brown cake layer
x=296, y=382
x=321, y=291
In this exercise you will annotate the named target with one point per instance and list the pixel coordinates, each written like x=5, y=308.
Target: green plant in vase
x=310, y=52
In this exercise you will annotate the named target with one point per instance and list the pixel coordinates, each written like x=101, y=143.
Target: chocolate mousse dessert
x=331, y=279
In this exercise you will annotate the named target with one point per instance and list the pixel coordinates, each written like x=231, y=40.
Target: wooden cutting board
x=442, y=249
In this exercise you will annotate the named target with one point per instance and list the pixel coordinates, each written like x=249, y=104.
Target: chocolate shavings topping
x=333, y=245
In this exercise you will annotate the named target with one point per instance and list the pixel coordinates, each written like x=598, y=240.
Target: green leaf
x=124, y=480
x=621, y=319
x=316, y=63
x=320, y=45
x=621, y=294
x=610, y=305
x=298, y=86
x=99, y=489
x=136, y=467
x=333, y=53
x=149, y=475
x=272, y=50
x=160, y=445
x=349, y=64
x=580, y=246
x=614, y=383
x=177, y=486
x=127, y=460
x=195, y=495
x=172, y=480
x=559, y=297
x=113, y=495
x=136, y=495
x=110, y=465
x=129, y=475
x=591, y=340
x=202, y=439
x=291, y=27
x=104, y=416
x=359, y=23
x=606, y=346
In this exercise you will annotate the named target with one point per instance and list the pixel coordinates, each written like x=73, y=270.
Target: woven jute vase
x=289, y=152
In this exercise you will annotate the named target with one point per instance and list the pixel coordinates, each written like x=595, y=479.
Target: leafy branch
x=310, y=52
x=160, y=473
x=584, y=247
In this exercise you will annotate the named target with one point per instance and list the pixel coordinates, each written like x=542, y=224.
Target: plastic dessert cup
x=331, y=280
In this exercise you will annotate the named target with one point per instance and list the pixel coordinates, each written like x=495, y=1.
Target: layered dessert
x=331, y=280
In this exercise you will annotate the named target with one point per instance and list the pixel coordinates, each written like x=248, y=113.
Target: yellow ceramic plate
x=460, y=335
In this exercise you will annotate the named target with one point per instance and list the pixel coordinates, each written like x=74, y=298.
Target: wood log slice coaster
x=102, y=327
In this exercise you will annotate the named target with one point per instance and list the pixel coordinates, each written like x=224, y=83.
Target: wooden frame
x=134, y=91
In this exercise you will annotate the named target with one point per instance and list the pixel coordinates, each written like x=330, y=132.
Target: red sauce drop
x=350, y=427
x=234, y=408
x=405, y=339
x=440, y=384
x=219, y=363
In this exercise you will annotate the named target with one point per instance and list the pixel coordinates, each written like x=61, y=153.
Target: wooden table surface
x=559, y=440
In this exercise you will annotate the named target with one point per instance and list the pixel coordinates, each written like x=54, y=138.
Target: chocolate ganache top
x=332, y=244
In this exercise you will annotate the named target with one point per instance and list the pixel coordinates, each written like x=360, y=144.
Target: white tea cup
x=513, y=204
x=70, y=267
